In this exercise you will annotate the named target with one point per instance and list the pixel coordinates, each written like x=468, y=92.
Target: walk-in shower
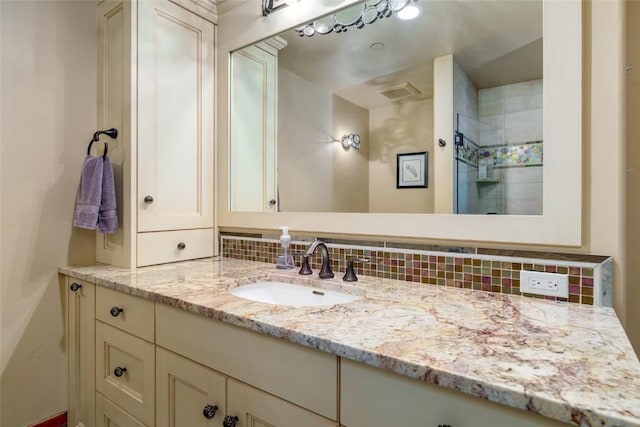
x=496, y=171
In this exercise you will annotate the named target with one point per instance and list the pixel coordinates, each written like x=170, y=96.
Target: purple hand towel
x=89, y=194
x=108, y=216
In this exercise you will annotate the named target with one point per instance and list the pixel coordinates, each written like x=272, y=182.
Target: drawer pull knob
x=115, y=311
x=181, y=245
x=229, y=421
x=74, y=287
x=209, y=411
x=148, y=200
x=118, y=372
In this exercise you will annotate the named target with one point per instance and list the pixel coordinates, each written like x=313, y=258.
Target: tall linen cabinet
x=156, y=85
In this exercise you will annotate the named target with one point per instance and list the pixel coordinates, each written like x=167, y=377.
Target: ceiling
x=495, y=42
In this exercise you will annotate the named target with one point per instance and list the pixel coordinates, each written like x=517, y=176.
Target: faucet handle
x=350, y=274
x=305, y=268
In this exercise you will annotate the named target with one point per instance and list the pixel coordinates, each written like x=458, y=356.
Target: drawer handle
x=444, y=425
x=115, y=311
x=209, y=411
x=118, y=372
x=74, y=287
x=181, y=245
x=148, y=200
x=229, y=421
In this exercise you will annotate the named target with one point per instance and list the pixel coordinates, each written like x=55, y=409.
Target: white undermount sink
x=280, y=293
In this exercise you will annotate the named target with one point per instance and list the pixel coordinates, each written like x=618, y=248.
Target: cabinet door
x=80, y=352
x=253, y=145
x=185, y=390
x=372, y=396
x=256, y=408
x=109, y=414
x=175, y=118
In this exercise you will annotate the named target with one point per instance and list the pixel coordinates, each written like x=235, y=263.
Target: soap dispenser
x=285, y=261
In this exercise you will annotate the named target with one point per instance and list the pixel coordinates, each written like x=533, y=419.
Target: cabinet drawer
x=257, y=408
x=295, y=373
x=108, y=414
x=372, y=396
x=164, y=246
x=133, y=314
x=125, y=367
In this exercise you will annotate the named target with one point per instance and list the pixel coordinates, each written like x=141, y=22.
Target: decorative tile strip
x=526, y=154
x=468, y=153
x=504, y=156
x=491, y=273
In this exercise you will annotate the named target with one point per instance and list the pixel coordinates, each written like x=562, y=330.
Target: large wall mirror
x=484, y=88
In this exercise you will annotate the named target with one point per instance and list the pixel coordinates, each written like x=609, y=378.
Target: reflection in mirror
x=294, y=97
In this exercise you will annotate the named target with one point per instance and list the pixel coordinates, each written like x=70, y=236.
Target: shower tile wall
x=465, y=102
x=465, y=95
x=516, y=111
x=468, y=199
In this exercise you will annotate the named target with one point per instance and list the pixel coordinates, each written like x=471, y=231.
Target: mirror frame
x=561, y=222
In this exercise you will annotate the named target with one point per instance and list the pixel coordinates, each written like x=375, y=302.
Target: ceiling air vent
x=399, y=91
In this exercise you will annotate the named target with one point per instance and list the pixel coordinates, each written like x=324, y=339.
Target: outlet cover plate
x=539, y=283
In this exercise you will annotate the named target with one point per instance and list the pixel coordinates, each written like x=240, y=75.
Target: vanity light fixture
x=371, y=12
x=350, y=140
x=270, y=6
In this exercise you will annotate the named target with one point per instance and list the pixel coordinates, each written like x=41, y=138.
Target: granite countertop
x=565, y=361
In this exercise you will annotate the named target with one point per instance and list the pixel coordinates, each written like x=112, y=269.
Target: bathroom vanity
x=170, y=345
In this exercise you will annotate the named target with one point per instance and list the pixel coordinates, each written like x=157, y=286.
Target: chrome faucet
x=325, y=269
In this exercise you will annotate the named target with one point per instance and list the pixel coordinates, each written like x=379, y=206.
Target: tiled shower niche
x=590, y=277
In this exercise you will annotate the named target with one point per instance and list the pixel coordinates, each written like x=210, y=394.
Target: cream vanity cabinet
x=125, y=357
x=133, y=362
x=372, y=396
x=80, y=334
x=188, y=394
x=267, y=380
x=191, y=394
x=156, y=85
x=136, y=363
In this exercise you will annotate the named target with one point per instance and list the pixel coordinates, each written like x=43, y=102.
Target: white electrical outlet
x=536, y=282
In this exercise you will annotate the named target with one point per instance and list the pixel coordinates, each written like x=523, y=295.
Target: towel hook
x=111, y=133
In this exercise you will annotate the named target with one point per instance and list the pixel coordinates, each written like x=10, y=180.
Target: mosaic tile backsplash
x=590, y=278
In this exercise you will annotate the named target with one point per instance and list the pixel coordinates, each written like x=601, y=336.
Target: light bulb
x=410, y=11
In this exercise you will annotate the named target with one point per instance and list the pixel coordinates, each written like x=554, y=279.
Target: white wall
x=604, y=152
x=350, y=166
x=633, y=176
x=48, y=115
x=315, y=173
x=305, y=150
x=443, y=68
x=399, y=128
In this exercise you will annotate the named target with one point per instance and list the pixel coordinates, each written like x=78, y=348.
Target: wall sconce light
x=350, y=140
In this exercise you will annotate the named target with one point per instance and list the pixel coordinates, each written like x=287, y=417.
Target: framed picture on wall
x=412, y=170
